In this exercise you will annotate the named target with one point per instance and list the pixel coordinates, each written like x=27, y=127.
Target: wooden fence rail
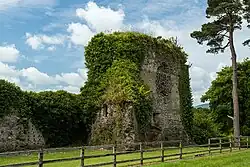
x=222, y=144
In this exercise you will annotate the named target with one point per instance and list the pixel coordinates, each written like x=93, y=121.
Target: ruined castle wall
x=18, y=134
x=110, y=121
x=160, y=65
x=161, y=74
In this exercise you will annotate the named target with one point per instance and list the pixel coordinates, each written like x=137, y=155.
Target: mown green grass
x=70, y=154
x=234, y=159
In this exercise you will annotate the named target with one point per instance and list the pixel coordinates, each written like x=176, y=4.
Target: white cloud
x=80, y=33
x=83, y=73
x=69, y=88
x=33, y=41
x=200, y=82
x=73, y=79
x=9, y=53
x=155, y=28
x=8, y=71
x=51, y=48
x=72, y=89
x=100, y=18
x=200, y=79
x=33, y=79
x=36, y=77
x=38, y=41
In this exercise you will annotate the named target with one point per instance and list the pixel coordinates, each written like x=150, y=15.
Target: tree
x=220, y=99
x=204, y=126
x=60, y=117
x=247, y=17
x=11, y=99
x=219, y=35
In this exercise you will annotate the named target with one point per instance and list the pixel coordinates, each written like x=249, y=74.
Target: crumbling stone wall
x=113, y=125
x=161, y=69
x=18, y=134
x=161, y=74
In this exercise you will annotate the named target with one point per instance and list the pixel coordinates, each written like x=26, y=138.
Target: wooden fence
x=214, y=144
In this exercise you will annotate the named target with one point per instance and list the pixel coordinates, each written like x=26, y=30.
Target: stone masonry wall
x=161, y=73
x=105, y=129
x=162, y=76
x=18, y=134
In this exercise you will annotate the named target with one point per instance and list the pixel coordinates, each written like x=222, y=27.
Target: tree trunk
x=235, y=87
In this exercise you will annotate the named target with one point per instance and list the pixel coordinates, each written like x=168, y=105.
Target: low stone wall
x=18, y=134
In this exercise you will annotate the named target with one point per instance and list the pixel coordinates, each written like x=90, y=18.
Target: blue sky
x=42, y=41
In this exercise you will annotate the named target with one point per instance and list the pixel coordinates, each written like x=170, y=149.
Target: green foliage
x=247, y=10
x=104, y=49
x=114, y=63
x=227, y=16
x=220, y=97
x=11, y=98
x=204, y=126
x=247, y=17
x=122, y=82
x=186, y=100
x=60, y=116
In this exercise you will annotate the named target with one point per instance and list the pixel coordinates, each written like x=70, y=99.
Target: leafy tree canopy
x=227, y=16
x=60, y=116
x=11, y=98
x=247, y=17
x=220, y=97
x=204, y=126
x=247, y=11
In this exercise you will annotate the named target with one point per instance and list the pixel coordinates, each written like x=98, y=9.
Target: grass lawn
x=70, y=154
x=234, y=159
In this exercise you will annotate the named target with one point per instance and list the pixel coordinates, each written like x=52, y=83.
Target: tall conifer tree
x=226, y=16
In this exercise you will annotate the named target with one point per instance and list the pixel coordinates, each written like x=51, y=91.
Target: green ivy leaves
x=114, y=62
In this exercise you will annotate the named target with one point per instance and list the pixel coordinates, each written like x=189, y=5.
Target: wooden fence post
x=114, y=158
x=40, y=158
x=141, y=151
x=220, y=146
x=239, y=143
x=247, y=141
x=180, y=150
x=162, y=152
x=82, y=156
x=209, y=146
x=230, y=144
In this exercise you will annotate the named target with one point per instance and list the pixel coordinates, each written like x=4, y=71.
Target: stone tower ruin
x=162, y=76
x=161, y=72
